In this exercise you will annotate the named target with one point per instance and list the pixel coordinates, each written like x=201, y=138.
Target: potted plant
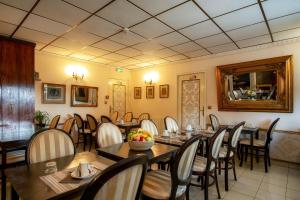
x=41, y=118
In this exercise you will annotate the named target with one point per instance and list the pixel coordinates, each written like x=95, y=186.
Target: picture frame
x=137, y=92
x=150, y=92
x=53, y=93
x=84, y=96
x=164, y=91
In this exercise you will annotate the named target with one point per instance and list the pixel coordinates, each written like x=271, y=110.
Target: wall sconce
x=77, y=72
x=151, y=77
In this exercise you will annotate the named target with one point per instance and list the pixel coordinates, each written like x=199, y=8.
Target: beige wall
x=52, y=70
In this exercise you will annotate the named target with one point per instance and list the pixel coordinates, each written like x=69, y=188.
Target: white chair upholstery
x=149, y=126
x=217, y=145
x=49, y=144
x=214, y=122
x=236, y=136
x=171, y=125
x=108, y=134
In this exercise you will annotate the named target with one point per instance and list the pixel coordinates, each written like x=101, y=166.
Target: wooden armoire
x=17, y=96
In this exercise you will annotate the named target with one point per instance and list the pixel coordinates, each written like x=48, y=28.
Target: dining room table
x=127, y=126
x=52, y=179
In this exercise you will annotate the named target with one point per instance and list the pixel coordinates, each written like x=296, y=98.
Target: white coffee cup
x=189, y=127
x=84, y=169
x=165, y=133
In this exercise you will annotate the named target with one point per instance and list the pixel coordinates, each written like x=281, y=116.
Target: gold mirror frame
x=84, y=99
x=284, y=99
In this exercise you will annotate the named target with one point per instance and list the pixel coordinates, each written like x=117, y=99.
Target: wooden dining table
x=127, y=126
x=27, y=183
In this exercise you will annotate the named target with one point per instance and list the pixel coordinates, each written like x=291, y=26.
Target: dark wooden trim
x=2, y=37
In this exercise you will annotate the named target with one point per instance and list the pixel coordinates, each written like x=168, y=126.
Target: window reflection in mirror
x=260, y=85
x=84, y=96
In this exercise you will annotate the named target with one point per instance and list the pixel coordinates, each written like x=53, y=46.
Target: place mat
x=61, y=182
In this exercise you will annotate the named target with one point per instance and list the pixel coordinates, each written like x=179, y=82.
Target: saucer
x=74, y=174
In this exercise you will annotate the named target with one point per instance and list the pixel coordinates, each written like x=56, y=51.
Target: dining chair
x=227, y=153
x=159, y=184
x=108, y=134
x=82, y=131
x=105, y=118
x=114, y=116
x=68, y=125
x=215, y=124
x=261, y=145
x=205, y=167
x=54, y=121
x=141, y=117
x=49, y=144
x=171, y=124
x=122, y=181
x=128, y=117
x=149, y=125
x=92, y=126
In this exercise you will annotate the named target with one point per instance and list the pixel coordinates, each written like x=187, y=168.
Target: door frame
x=111, y=84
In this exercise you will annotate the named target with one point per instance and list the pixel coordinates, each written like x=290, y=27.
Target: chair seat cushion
x=14, y=157
x=256, y=142
x=200, y=164
x=223, y=152
x=157, y=185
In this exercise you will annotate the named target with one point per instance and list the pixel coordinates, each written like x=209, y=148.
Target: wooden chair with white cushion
x=215, y=124
x=122, y=181
x=82, y=131
x=105, y=118
x=49, y=144
x=204, y=167
x=161, y=184
x=68, y=125
x=149, y=125
x=141, y=117
x=92, y=127
x=128, y=117
x=54, y=121
x=171, y=124
x=108, y=134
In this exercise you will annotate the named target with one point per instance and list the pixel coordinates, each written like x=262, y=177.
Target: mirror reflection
x=84, y=96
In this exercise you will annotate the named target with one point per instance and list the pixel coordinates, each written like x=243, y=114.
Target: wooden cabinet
x=16, y=83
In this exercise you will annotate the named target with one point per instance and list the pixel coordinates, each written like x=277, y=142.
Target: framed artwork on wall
x=137, y=92
x=53, y=93
x=164, y=91
x=150, y=92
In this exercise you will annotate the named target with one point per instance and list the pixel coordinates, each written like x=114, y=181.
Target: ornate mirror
x=84, y=96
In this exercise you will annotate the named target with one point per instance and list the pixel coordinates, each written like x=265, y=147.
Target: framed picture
x=150, y=92
x=164, y=91
x=53, y=93
x=137, y=92
x=82, y=94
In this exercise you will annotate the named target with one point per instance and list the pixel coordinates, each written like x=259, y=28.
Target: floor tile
x=293, y=194
x=262, y=195
x=270, y=188
x=232, y=195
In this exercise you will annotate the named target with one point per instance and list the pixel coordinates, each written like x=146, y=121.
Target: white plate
x=74, y=175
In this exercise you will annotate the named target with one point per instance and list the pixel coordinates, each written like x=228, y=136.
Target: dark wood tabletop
x=121, y=151
x=26, y=181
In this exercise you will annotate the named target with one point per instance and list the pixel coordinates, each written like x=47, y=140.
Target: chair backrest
x=49, y=144
x=79, y=121
x=271, y=130
x=68, y=125
x=215, y=124
x=105, y=119
x=143, y=116
x=171, y=124
x=128, y=117
x=149, y=125
x=122, y=181
x=234, y=134
x=54, y=121
x=92, y=122
x=114, y=116
x=108, y=134
x=181, y=168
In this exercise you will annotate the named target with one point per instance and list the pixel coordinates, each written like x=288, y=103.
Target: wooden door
x=119, y=99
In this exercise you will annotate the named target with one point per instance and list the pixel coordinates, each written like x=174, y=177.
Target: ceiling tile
x=94, y=51
x=254, y=41
x=159, y=61
x=145, y=58
x=44, y=25
x=249, y=31
x=182, y=16
x=197, y=53
x=92, y=6
x=82, y=36
x=99, y=26
x=57, y=50
x=151, y=28
x=277, y=8
x=129, y=52
x=285, y=23
x=123, y=13
x=156, y=6
x=127, y=38
x=11, y=15
x=38, y=46
x=176, y=58
x=60, y=11
x=144, y=64
x=223, y=48
x=6, y=28
x=68, y=44
x=129, y=61
x=82, y=56
x=243, y=17
x=214, y=40
x=21, y=4
x=102, y=60
x=186, y=47
x=33, y=36
x=132, y=67
x=150, y=46
x=171, y=39
x=213, y=7
x=114, y=57
x=201, y=30
x=283, y=35
x=109, y=45
x=164, y=53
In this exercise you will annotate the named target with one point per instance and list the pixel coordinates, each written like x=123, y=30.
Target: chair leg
x=238, y=150
x=246, y=153
x=226, y=174
x=217, y=184
x=266, y=162
x=84, y=141
x=233, y=168
x=187, y=192
x=91, y=141
x=219, y=168
x=257, y=157
x=206, y=182
x=242, y=155
x=269, y=159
